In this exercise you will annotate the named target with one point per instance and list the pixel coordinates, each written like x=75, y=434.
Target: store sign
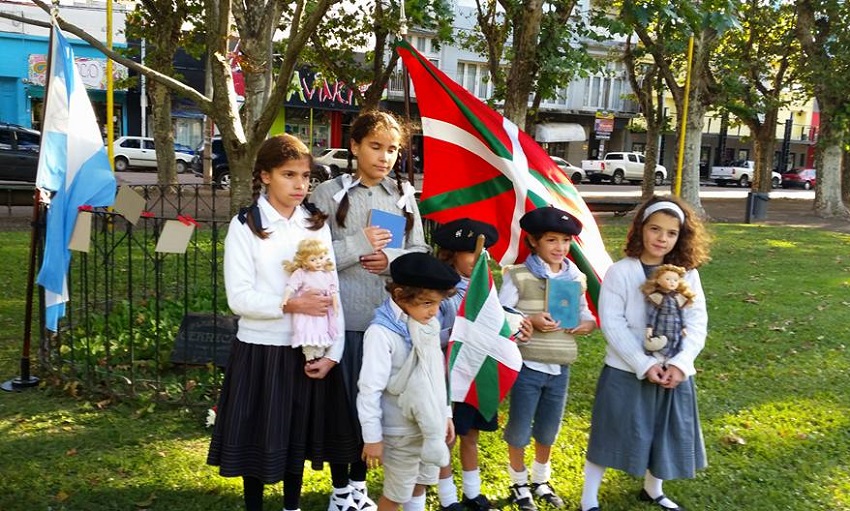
x=92, y=71
x=604, y=125
x=313, y=90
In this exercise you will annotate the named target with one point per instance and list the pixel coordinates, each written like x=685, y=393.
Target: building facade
x=24, y=66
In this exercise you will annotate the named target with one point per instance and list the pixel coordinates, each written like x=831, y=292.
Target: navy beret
x=550, y=219
x=418, y=269
x=460, y=235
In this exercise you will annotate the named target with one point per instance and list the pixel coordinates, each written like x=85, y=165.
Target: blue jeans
x=537, y=397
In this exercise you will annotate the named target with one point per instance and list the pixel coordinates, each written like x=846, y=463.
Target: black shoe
x=645, y=497
x=546, y=493
x=521, y=496
x=479, y=503
x=454, y=506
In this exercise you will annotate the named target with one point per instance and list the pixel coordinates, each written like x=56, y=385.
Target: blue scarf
x=540, y=269
x=386, y=317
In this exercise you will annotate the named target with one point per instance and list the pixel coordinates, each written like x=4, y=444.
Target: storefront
x=23, y=75
x=317, y=111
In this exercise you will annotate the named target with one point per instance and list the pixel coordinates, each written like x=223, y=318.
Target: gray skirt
x=637, y=425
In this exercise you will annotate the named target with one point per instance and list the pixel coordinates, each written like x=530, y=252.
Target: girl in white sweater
x=645, y=418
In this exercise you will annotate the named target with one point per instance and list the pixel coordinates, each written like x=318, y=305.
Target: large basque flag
x=484, y=361
x=480, y=165
x=72, y=164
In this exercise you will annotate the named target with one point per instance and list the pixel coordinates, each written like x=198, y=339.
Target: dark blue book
x=392, y=222
x=563, y=300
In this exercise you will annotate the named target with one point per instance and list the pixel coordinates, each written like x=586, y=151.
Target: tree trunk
x=828, y=200
x=240, y=160
x=764, y=142
x=526, y=23
x=845, y=178
x=690, y=159
x=163, y=134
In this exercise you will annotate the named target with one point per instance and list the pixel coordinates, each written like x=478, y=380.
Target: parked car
x=140, y=152
x=619, y=167
x=18, y=153
x=740, y=172
x=336, y=160
x=800, y=178
x=576, y=174
x=220, y=168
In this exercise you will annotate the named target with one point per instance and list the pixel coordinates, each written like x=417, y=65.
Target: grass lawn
x=773, y=386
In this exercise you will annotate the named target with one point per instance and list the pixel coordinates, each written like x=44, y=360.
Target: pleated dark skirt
x=272, y=418
x=352, y=361
x=638, y=425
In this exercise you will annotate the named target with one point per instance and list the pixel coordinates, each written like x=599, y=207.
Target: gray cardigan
x=360, y=291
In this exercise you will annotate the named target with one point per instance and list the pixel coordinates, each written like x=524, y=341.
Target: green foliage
x=772, y=385
x=337, y=45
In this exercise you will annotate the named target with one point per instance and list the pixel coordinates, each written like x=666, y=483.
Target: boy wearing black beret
x=539, y=395
x=456, y=246
x=401, y=403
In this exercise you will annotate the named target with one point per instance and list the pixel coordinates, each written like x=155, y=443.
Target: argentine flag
x=73, y=165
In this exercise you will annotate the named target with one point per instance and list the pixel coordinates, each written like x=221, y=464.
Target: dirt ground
x=794, y=212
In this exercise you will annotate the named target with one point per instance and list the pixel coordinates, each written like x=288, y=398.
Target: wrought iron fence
x=128, y=302
x=141, y=321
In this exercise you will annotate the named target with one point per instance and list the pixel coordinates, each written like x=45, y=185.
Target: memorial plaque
x=204, y=338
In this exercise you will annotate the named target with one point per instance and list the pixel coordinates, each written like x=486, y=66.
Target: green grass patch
x=772, y=382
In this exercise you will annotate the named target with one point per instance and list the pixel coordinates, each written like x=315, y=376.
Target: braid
x=252, y=214
x=317, y=216
x=342, y=211
x=408, y=225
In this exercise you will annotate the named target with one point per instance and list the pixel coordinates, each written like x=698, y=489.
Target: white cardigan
x=623, y=314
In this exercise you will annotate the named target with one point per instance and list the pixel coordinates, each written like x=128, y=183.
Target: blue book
x=392, y=222
x=563, y=300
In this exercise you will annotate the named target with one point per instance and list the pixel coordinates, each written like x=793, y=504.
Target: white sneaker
x=362, y=500
x=342, y=502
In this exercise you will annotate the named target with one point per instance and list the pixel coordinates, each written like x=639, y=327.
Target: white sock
x=471, y=483
x=653, y=487
x=518, y=477
x=592, y=481
x=541, y=472
x=447, y=491
x=358, y=485
x=342, y=491
x=416, y=503
x=299, y=509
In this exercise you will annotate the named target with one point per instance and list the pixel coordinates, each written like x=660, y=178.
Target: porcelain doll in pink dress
x=312, y=269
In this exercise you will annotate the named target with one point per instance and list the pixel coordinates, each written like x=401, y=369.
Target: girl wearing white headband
x=645, y=419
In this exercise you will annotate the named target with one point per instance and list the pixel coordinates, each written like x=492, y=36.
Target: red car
x=799, y=178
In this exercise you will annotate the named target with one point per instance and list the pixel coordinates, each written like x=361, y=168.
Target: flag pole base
x=18, y=384
x=24, y=381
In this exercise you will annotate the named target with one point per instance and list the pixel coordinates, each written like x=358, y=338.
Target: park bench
x=14, y=193
x=618, y=207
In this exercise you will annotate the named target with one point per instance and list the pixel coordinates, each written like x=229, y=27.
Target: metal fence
x=142, y=321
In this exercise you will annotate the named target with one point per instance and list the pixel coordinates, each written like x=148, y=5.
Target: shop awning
x=560, y=132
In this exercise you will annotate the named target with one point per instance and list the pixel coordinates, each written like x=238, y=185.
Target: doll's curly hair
x=691, y=249
x=308, y=248
x=651, y=284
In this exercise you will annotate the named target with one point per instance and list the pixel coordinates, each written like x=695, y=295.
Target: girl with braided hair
x=276, y=409
x=376, y=142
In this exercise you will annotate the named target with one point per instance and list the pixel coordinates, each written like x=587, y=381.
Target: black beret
x=460, y=235
x=550, y=219
x=418, y=269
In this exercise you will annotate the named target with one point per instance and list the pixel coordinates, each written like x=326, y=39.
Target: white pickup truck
x=741, y=173
x=620, y=167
